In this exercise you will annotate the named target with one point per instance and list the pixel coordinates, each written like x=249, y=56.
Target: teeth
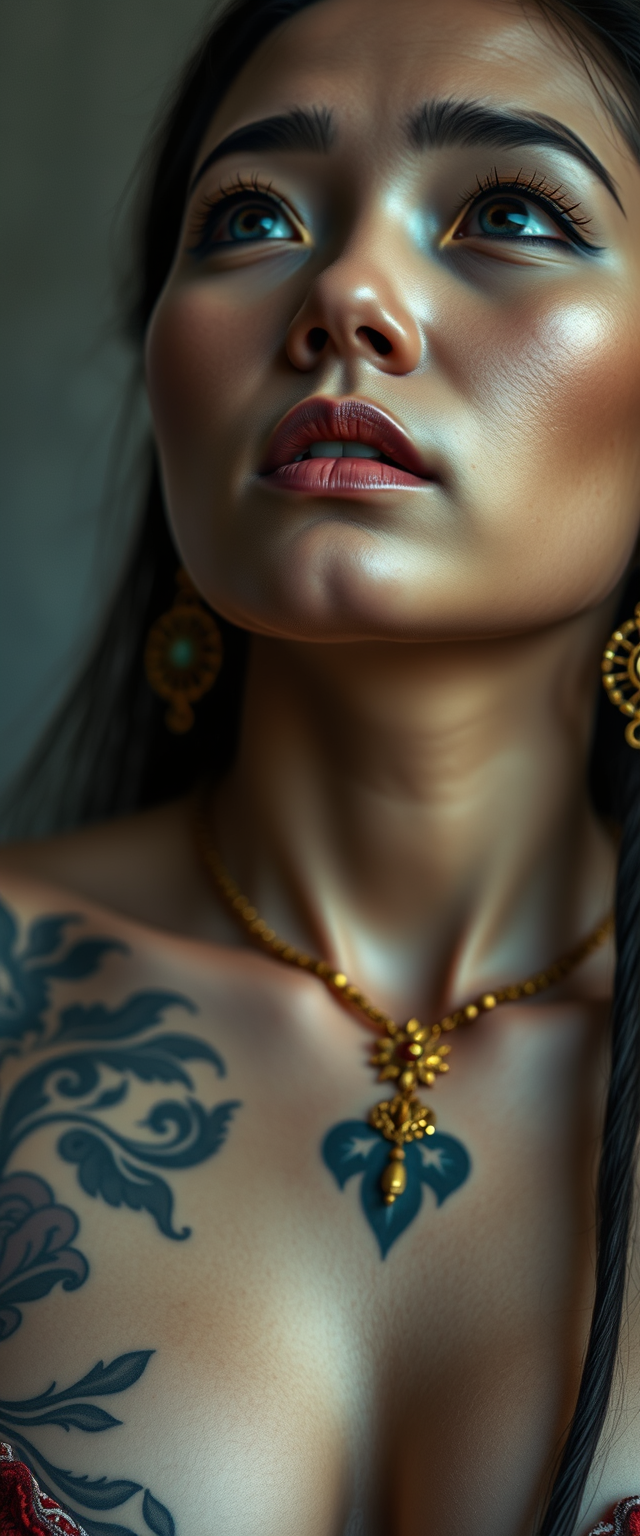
x=339, y=450
x=325, y=450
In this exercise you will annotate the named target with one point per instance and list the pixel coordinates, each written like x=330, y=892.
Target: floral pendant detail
x=391, y=1190
x=408, y=1055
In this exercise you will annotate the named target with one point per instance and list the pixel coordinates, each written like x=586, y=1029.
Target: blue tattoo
x=355, y=1147
x=35, y=1246
x=26, y=973
x=94, y=1053
x=72, y=1409
x=74, y=1088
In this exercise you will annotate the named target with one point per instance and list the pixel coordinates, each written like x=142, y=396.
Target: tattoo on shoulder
x=93, y=1053
x=74, y=1407
x=90, y=1055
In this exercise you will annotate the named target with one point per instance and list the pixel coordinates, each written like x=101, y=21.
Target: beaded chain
x=408, y=1055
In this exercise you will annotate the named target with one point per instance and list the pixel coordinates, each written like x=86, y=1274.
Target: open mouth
x=334, y=447
x=345, y=450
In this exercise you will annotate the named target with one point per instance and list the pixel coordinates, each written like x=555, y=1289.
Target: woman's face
x=443, y=228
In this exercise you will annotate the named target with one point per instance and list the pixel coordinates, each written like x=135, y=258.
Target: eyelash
x=538, y=190
x=238, y=187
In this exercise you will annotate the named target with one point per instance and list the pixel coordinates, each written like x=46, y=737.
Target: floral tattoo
x=93, y=1055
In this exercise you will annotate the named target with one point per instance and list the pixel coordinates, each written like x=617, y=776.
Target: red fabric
x=25, y=1511
x=625, y=1520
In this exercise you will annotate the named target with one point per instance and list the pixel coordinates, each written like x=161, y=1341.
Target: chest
x=230, y=1349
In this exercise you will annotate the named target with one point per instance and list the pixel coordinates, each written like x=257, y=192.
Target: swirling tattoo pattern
x=93, y=1055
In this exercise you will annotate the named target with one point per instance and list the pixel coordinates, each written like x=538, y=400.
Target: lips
x=319, y=423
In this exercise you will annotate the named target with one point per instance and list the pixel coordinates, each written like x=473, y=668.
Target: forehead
x=371, y=61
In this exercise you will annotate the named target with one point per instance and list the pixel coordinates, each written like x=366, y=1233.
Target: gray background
x=80, y=84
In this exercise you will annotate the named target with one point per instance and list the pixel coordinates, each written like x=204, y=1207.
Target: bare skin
x=409, y=801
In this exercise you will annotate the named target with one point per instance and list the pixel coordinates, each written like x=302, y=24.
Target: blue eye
x=255, y=221
x=504, y=217
x=241, y=221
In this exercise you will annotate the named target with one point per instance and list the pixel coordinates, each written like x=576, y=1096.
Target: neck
x=418, y=815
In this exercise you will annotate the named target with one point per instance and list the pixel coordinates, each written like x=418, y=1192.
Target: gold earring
x=183, y=655
x=621, y=673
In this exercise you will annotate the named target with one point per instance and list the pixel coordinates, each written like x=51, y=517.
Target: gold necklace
x=408, y=1054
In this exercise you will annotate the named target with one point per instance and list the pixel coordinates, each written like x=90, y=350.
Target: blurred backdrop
x=80, y=86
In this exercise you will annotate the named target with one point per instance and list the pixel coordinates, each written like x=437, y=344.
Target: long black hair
x=111, y=751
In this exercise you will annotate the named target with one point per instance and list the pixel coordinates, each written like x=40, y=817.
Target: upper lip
x=319, y=419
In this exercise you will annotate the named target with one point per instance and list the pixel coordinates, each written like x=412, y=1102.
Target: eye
x=502, y=216
x=243, y=219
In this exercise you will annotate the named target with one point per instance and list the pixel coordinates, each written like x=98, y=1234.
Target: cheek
x=570, y=381
x=557, y=400
x=208, y=356
x=563, y=372
x=208, y=361
x=196, y=365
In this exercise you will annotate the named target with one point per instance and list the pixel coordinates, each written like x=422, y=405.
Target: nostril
x=379, y=342
x=317, y=338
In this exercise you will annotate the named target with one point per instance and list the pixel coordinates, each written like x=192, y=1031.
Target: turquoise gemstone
x=182, y=652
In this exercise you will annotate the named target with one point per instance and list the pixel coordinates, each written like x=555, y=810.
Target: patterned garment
x=25, y=1511
x=625, y=1520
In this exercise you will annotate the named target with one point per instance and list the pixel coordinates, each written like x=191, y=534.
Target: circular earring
x=621, y=673
x=183, y=655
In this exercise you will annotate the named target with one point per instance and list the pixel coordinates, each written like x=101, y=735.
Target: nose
x=357, y=310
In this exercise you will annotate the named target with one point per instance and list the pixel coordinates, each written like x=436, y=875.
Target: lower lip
x=334, y=477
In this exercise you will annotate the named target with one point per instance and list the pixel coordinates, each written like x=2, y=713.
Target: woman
x=391, y=301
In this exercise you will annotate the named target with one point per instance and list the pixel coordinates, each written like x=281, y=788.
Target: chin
x=331, y=580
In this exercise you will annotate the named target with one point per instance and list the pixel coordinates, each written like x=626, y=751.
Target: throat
x=412, y=816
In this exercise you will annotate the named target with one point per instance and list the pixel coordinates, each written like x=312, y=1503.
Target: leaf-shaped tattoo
x=156, y=1516
x=70, y=1409
x=94, y=1054
x=26, y=972
x=355, y=1147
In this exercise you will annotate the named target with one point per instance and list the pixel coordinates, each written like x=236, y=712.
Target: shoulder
x=142, y=867
x=79, y=922
x=92, y=917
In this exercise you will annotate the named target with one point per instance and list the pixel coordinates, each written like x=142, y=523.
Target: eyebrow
x=298, y=129
x=434, y=125
x=442, y=124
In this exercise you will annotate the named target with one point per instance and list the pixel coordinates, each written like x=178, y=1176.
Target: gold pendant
x=409, y=1055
